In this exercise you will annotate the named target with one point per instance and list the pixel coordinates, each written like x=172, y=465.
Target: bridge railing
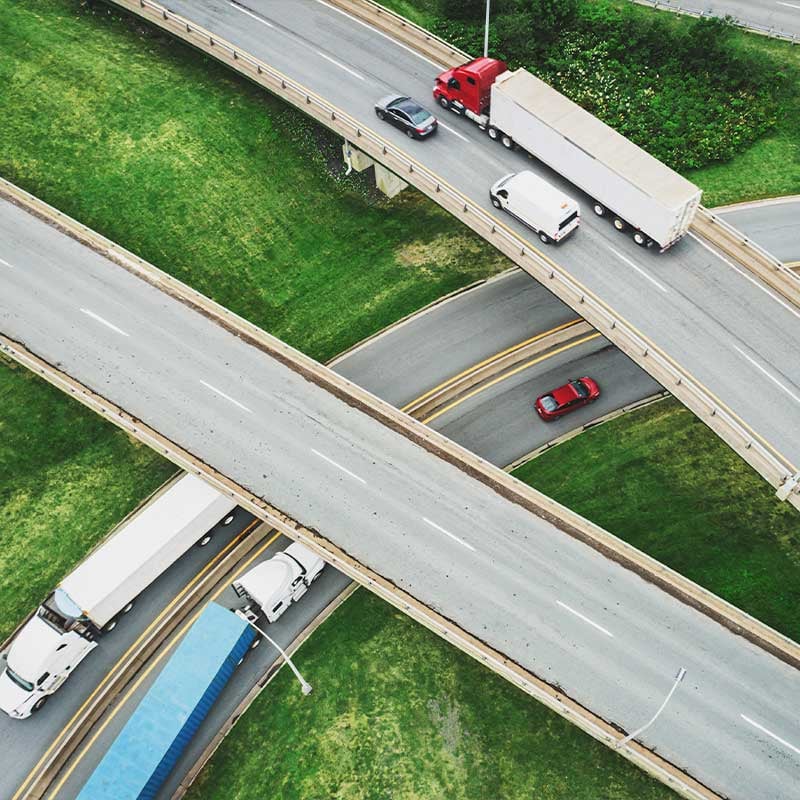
x=769, y=463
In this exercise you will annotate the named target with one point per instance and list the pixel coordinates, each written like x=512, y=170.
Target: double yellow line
x=195, y=580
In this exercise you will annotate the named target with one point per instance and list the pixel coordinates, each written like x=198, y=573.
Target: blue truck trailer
x=148, y=747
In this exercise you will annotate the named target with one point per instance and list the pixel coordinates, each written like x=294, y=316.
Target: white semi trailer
x=92, y=598
x=274, y=584
x=635, y=190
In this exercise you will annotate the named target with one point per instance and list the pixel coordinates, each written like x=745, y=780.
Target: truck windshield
x=19, y=680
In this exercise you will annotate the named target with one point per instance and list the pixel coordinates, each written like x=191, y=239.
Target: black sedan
x=406, y=114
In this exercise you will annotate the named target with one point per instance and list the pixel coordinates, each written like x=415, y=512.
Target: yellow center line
x=151, y=666
x=128, y=652
x=490, y=359
x=510, y=373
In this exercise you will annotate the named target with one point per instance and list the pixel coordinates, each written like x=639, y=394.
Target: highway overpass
x=556, y=605
x=720, y=340
x=402, y=363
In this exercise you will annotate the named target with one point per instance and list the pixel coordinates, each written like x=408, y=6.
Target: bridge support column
x=385, y=180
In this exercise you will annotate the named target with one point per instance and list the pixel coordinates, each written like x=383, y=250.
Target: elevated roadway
x=732, y=336
x=496, y=574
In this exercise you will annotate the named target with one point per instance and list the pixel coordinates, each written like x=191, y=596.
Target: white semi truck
x=92, y=598
x=639, y=193
x=274, y=584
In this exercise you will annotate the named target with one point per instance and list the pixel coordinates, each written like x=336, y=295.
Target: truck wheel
x=230, y=518
x=507, y=141
x=496, y=203
x=202, y=542
x=619, y=224
x=444, y=102
x=494, y=134
x=128, y=607
x=380, y=114
x=38, y=704
x=599, y=210
x=544, y=238
x=640, y=239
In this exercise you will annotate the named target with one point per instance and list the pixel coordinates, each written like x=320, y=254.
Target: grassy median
x=396, y=713
x=662, y=481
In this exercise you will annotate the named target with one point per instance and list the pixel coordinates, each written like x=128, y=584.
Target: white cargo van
x=538, y=204
x=275, y=584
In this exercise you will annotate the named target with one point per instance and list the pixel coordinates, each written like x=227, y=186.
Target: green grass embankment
x=66, y=477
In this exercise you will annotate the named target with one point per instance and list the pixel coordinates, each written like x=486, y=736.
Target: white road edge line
x=251, y=14
x=585, y=619
x=338, y=466
x=788, y=5
x=745, y=274
x=413, y=52
x=770, y=733
x=447, y=533
x=5, y=263
x=226, y=396
x=453, y=131
x=642, y=272
x=340, y=65
x=769, y=375
x=102, y=321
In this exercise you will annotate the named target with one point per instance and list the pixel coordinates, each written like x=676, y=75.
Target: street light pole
x=486, y=32
x=678, y=679
x=305, y=686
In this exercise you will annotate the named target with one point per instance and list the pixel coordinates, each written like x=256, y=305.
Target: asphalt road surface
x=774, y=224
x=778, y=15
x=733, y=334
x=609, y=639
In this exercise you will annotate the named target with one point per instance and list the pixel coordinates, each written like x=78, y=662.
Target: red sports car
x=566, y=398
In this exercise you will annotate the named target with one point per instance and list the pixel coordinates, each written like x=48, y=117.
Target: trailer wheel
x=204, y=540
x=38, y=704
x=110, y=625
x=128, y=607
x=599, y=210
x=507, y=141
x=496, y=203
x=443, y=101
x=380, y=114
x=620, y=224
x=494, y=134
x=544, y=238
x=255, y=643
x=640, y=239
x=230, y=518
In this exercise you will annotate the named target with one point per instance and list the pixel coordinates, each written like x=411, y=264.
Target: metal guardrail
x=706, y=13
x=771, y=464
x=748, y=253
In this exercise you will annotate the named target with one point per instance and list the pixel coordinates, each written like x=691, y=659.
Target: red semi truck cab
x=467, y=89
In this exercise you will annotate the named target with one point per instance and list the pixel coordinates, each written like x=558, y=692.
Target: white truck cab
x=275, y=584
x=42, y=656
x=536, y=203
